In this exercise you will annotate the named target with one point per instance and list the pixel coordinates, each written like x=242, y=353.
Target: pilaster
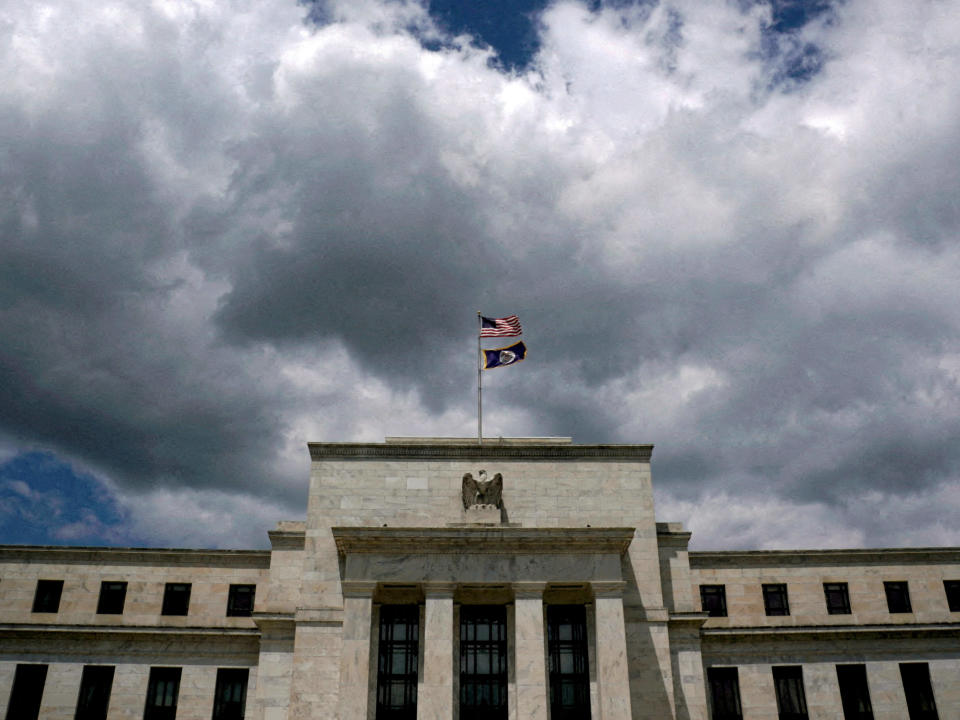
x=355, y=656
x=435, y=691
x=612, y=675
x=531, y=672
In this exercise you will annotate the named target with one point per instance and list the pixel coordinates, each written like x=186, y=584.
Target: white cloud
x=232, y=233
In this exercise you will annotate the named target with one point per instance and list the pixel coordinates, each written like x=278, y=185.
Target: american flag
x=500, y=327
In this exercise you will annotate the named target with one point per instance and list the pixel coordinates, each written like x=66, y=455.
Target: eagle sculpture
x=482, y=491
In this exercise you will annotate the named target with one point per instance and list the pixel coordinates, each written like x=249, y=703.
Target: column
x=531, y=669
x=435, y=689
x=613, y=678
x=355, y=656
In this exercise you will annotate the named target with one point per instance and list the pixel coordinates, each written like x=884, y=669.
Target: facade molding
x=539, y=451
x=857, y=556
x=481, y=540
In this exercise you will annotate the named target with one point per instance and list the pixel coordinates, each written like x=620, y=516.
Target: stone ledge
x=467, y=451
x=172, y=557
x=832, y=631
x=855, y=556
x=481, y=540
x=106, y=630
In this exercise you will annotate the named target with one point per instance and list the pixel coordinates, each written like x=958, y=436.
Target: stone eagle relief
x=481, y=491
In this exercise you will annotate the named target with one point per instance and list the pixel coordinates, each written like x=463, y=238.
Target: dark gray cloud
x=226, y=232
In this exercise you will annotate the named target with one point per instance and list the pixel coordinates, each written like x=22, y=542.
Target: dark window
x=775, y=600
x=898, y=597
x=952, y=588
x=94, y=694
x=27, y=692
x=230, y=696
x=112, y=596
x=838, y=599
x=483, y=662
x=176, y=599
x=725, y=693
x=162, y=694
x=398, y=650
x=569, y=671
x=240, y=600
x=791, y=700
x=916, y=686
x=854, y=693
x=713, y=599
x=47, y=597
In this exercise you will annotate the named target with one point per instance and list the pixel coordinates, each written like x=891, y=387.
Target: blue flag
x=501, y=357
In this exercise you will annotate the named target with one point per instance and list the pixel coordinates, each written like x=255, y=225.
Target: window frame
x=951, y=589
x=918, y=691
x=789, y=689
x=727, y=679
x=108, y=602
x=775, y=591
x=27, y=689
x=394, y=644
x=719, y=592
x=898, y=596
x=486, y=620
x=47, y=596
x=237, y=590
x=569, y=652
x=172, y=603
x=222, y=709
x=93, y=698
x=849, y=692
x=837, y=587
x=162, y=674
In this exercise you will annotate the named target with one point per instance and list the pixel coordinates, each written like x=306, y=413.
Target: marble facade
x=385, y=526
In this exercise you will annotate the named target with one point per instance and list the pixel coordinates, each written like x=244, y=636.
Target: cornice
x=832, y=631
x=480, y=540
x=287, y=539
x=473, y=451
x=106, y=631
x=134, y=556
x=855, y=556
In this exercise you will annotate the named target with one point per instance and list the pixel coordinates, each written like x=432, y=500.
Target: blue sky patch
x=43, y=501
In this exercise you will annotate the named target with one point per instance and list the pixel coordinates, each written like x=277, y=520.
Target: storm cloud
x=227, y=228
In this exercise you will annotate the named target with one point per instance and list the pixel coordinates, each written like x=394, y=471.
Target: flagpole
x=479, y=384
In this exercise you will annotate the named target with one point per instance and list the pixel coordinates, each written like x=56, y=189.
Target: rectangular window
x=27, y=692
x=240, y=600
x=898, y=597
x=854, y=693
x=483, y=662
x=919, y=692
x=112, y=597
x=47, y=597
x=230, y=695
x=724, y=693
x=398, y=651
x=952, y=589
x=176, y=599
x=162, y=692
x=94, y=697
x=791, y=699
x=569, y=671
x=838, y=599
x=775, y=600
x=713, y=600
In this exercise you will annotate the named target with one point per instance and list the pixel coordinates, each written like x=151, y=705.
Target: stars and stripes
x=508, y=326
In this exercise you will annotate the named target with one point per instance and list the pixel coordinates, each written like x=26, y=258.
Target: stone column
x=531, y=670
x=355, y=656
x=435, y=690
x=612, y=675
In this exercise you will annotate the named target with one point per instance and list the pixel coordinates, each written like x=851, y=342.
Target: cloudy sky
x=730, y=229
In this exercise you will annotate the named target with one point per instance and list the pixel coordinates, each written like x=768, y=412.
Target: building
x=419, y=587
